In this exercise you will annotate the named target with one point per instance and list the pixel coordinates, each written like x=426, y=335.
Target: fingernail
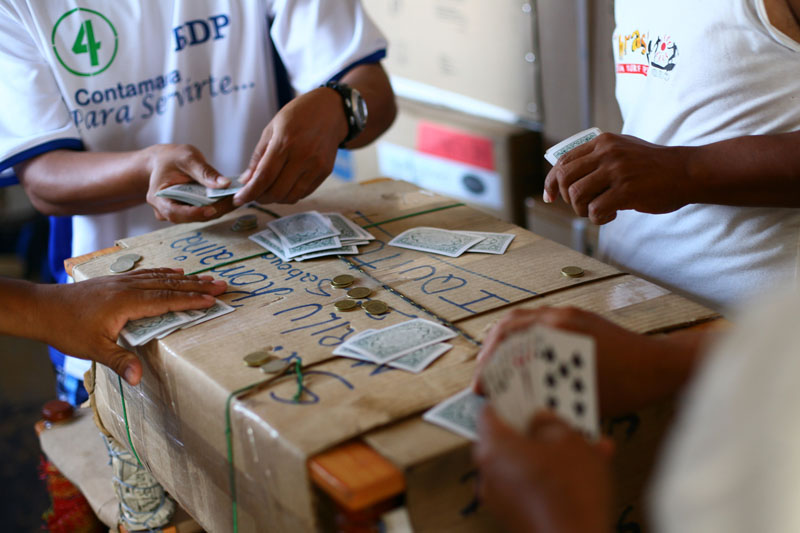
x=209, y=211
x=237, y=201
x=129, y=374
x=222, y=180
x=546, y=198
x=220, y=282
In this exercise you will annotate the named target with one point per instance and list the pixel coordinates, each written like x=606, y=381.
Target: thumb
x=205, y=174
x=125, y=364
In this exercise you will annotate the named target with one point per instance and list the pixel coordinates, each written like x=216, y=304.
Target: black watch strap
x=346, y=92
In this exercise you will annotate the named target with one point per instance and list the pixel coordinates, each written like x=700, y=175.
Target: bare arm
x=616, y=172
x=84, y=319
x=373, y=84
x=65, y=182
x=297, y=149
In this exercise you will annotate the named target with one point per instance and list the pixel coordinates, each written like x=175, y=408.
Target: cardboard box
x=464, y=54
x=226, y=444
x=487, y=164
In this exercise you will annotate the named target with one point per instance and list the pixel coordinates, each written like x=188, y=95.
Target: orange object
x=356, y=476
x=72, y=262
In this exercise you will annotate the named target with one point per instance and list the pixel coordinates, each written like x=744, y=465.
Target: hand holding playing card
x=172, y=164
x=296, y=150
x=632, y=370
x=84, y=319
x=616, y=172
x=549, y=479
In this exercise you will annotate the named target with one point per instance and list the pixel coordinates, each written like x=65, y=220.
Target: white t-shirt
x=732, y=462
x=693, y=73
x=123, y=75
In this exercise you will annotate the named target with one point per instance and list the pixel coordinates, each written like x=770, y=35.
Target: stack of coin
x=375, y=307
x=359, y=292
x=342, y=281
x=346, y=305
x=572, y=271
x=245, y=223
x=124, y=263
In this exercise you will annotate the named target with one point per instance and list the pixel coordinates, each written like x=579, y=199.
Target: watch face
x=359, y=110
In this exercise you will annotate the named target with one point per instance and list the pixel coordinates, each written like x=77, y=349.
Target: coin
x=375, y=307
x=346, y=305
x=343, y=280
x=257, y=358
x=245, y=222
x=276, y=366
x=359, y=292
x=133, y=257
x=121, y=265
x=572, y=271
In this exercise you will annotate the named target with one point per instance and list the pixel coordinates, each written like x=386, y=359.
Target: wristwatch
x=355, y=109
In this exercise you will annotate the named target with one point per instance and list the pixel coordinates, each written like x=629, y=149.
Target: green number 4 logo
x=87, y=30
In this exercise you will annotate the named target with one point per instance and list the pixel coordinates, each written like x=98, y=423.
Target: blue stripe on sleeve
x=372, y=58
x=49, y=146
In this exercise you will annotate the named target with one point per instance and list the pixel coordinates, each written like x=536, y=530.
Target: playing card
x=218, y=309
x=436, y=240
x=555, y=152
x=507, y=380
x=142, y=330
x=415, y=361
x=458, y=414
x=234, y=187
x=568, y=378
x=300, y=228
x=188, y=193
x=267, y=239
x=344, y=250
x=389, y=343
x=344, y=351
x=348, y=230
x=490, y=243
x=312, y=247
x=420, y=359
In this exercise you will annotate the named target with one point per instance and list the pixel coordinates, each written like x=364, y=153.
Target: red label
x=456, y=145
x=633, y=68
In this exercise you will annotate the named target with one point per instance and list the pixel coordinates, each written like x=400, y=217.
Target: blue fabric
x=49, y=146
x=282, y=84
x=372, y=58
x=69, y=388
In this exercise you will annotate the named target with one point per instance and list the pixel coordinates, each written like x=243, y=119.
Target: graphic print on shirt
x=640, y=53
x=86, y=43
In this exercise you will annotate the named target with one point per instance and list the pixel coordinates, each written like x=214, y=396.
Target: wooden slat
x=356, y=476
x=72, y=262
